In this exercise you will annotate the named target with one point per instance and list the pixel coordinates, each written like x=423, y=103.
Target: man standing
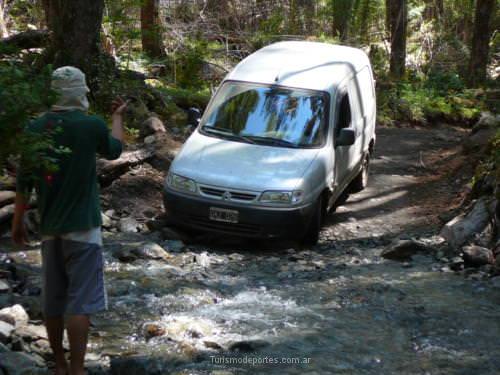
x=70, y=215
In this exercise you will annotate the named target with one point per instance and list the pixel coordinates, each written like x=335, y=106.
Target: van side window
x=344, y=119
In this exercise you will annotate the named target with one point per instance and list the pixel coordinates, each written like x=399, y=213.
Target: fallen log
x=6, y=213
x=7, y=197
x=26, y=40
x=110, y=170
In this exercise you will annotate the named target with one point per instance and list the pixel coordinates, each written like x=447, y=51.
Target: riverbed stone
x=138, y=365
x=477, y=255
x=6, y=330
x=153, y=330
x=4, y=286
x=129, y=225
x=405, y=249
x=151, y=250
x=248, y=345
x=15, y=315
x=31, y=332
x=16, y=363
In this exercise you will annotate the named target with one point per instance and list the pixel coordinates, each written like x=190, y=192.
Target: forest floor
x=226, y=306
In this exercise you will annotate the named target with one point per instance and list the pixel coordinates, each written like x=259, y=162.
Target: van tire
x=361, y=180
x=311, y=236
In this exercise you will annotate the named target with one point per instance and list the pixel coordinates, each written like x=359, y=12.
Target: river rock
x=151, y=250
x=106, y=221
x=15, y=315
x=138, y=365
x=248, y=345
x=462, y=227
x=405, y=249
x=15, y=363
x=152, y=330
x=31, y=332
x=4, y=286
x=129, y=225
x=6, y=330
x=151, y=126
x=477, y=255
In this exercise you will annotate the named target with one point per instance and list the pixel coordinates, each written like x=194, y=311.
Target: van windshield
x=271, y=115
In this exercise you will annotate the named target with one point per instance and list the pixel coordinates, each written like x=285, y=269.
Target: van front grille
x=228, y=195
x=236, y=228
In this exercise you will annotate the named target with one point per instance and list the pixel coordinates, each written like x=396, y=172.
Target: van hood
x=237, y=165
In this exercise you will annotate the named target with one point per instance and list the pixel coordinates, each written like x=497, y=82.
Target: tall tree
x=151, y=28
x=75, y=27
x=480, y=41
x=398, y=21
x=3, y=27
x=342, y=10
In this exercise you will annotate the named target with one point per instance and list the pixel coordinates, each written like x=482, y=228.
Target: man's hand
x=19, y=234
x=118, y=106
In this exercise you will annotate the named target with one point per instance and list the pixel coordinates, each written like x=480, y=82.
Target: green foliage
x=441, y=97
x=25, y=93
x=188, y=64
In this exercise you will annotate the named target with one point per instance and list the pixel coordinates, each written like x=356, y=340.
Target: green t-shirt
x=68, y=199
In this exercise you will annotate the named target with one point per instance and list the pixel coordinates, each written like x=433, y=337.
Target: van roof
x=310, y=65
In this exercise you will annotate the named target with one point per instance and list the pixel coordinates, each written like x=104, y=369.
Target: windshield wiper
x=227, y=132
x=273, y=141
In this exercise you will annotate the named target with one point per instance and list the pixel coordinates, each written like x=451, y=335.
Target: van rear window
x=274, y=115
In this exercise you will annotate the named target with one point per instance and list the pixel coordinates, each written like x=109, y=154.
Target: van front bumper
x=254, y=222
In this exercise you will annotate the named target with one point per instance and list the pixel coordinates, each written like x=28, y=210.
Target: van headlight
x=282, y=197
x=180, y=183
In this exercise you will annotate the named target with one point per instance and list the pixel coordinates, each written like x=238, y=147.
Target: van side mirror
x=346, y=137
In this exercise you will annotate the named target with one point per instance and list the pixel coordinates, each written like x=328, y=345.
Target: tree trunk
x=4, y=33
x=341, y=16
x=151, y=28
x=364, y=20
x=480, y=42
x=398, y=20
x=75, y=38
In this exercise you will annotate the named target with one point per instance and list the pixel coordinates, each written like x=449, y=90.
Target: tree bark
x=75, y=37
x=341, y=17
x=480, y=42
x=151, y=28
x=4, y=33
x=398, y=20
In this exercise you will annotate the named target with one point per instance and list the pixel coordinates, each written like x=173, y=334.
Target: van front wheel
x=361, y=180
x=311, y=237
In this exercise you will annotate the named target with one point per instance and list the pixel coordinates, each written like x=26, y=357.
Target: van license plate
x=221, y=214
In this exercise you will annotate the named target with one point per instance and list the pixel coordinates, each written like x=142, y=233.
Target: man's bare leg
x=78, y=329
x=55, y=331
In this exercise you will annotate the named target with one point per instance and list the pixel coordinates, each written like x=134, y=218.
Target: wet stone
x=153, y=330
x=4, y=286
x=477, y=256
x=129, y=225
x=248, y=345
x=405, y=249
x=14, y=363
x=151, y=250
x=6, y=330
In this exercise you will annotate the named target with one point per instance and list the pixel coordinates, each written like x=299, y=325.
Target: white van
x=288, y=134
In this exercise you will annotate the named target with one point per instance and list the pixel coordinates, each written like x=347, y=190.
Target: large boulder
x=482, y=132
x=151, y=126
x=462, y=227
x=15, y=315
